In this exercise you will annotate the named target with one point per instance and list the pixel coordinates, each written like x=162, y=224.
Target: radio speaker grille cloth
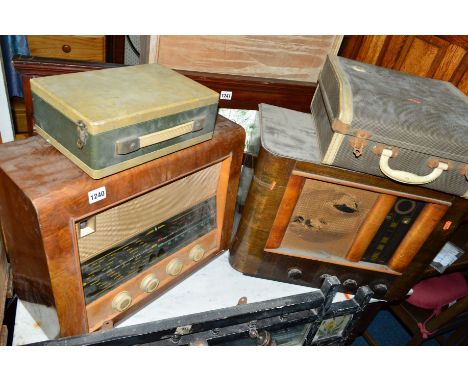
x=327, y=217
x=125, y=220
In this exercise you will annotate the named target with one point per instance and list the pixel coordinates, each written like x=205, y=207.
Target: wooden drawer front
x=87, y=48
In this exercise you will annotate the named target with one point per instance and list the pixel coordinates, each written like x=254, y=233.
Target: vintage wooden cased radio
x=304, y=220
x=99, y=249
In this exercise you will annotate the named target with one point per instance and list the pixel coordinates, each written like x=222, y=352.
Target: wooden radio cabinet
x=96, y=250
x=303, y=220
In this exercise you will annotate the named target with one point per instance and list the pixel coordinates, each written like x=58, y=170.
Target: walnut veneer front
x=270, y=202
x=44, y=194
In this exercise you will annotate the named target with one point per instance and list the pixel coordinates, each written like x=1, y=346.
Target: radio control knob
x=196, y=253
x=149, y=283
x=174, y=267
x=380, y=289
x=122, y=301
x=295, y=273
x=350, y=285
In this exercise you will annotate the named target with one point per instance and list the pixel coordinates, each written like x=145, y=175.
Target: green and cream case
x=109, y=120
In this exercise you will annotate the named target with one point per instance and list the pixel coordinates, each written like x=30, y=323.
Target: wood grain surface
x=4, y=277
x=42, y=199
x=370, y=226
x=272, y=173
x=285, y=211
x=439, y=57
x=423, y=226
x=90, y=48
x=298, y=58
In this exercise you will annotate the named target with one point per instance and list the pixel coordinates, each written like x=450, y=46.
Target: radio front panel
x=331, y=221
x=136, y=248
x=103, y=272
x=147, y=283
x=97, y=233
x=327, y=217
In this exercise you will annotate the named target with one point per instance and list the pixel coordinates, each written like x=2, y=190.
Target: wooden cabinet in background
x=293, y=58
x=439, y=57
x=86, y=48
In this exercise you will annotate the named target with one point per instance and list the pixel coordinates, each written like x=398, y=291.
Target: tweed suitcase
x=379, y=121
x=109, y=120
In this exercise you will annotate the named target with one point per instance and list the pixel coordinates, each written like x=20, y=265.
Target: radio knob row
x=122, y=301
x=150, y=283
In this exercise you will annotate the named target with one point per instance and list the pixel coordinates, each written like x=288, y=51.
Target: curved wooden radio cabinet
x=97, y=250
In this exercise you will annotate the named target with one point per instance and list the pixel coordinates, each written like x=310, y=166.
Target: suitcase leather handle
x=131, y=144
x=408, y=177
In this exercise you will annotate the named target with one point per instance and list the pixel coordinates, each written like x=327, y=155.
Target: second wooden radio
x=96, y=250
x=303, y=220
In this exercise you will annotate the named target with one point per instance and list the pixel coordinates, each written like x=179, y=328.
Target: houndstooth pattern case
x=422, y=124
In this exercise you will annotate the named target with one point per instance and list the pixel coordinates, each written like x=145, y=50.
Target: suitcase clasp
x=359, y=142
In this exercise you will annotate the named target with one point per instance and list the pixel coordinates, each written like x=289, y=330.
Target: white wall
x=6, y=123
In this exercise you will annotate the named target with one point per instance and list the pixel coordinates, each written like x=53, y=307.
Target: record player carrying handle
x=131, y=144
x=408, y=177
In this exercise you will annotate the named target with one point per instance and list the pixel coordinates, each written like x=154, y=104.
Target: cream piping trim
x=333, y=148
x=346, y=96
x=101, y=173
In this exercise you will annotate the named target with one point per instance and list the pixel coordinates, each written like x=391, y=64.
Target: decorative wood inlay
x=285, y=210
x=370, y=226
x=415, y=238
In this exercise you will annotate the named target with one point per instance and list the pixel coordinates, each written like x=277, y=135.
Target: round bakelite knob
x=174, y=267
x=149, y=283
x=66, y=48
x=380, y=289
x=350, y=284
x=122, y=301
x=295, y=273
x=196, y=253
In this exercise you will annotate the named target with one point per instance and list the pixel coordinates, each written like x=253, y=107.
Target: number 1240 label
x=97, y=195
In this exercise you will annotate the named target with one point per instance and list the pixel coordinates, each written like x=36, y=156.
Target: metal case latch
x=82, y=134
x=359, y=142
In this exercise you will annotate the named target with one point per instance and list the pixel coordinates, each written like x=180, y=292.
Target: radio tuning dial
x=122, y=301
x=149, y=283
x=174, y=267
x=196, y=253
